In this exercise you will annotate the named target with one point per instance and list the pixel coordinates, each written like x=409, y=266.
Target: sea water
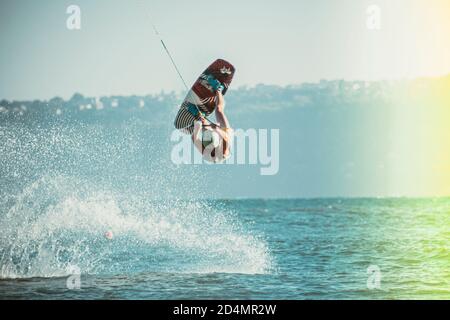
x=63, y=186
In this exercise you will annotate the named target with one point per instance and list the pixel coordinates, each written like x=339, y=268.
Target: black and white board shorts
x=185, y=120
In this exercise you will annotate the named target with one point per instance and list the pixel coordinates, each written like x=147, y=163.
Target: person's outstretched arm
x=224, y=130
x=220, y=114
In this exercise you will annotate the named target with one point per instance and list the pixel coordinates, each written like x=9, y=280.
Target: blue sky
x=273, y=42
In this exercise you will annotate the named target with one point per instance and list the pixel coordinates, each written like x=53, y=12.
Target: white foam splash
x=54, y=225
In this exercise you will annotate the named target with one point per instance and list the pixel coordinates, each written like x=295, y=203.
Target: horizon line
x=243, y=86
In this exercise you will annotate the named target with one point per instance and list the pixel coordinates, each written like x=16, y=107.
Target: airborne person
x=212, y=140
